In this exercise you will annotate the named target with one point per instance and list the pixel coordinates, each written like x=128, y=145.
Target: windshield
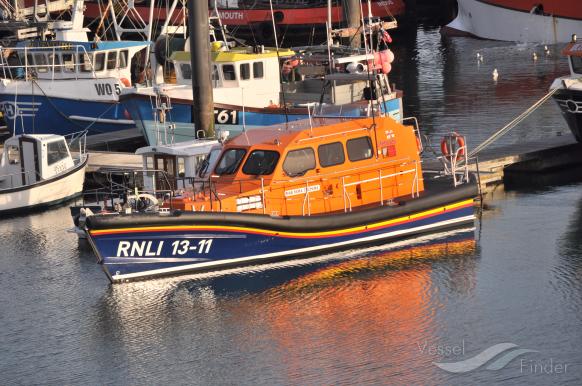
x=230, y=161
x=261, y=162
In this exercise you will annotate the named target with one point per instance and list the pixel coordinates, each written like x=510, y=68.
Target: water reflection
x=568, y=273
x=369, y=305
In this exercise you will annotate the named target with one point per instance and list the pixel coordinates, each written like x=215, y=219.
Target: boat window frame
x=334, y=163
x=186, y=68
x=352, y=140
x=233, y=73
x=61, y=153
x=237, y=159
x=576, y=67
x=56, y=64
x=84, y=62
x=13, y=154
x=265, y=172
x=261, y=72
x=99, y=61
x=69, y=67
x=123, y=57
x=244, y=74
x=41, y=66
x=304, y=171
x=109, y=65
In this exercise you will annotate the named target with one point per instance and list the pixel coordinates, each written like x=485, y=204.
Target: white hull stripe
x=164, y=271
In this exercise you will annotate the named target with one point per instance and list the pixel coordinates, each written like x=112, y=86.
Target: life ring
x=454, y=138
x=125, y=82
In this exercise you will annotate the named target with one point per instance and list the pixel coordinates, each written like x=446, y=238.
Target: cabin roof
x=39, y=137
x=188, y=148
x=324, y=129
x=89, y=46
x=573, y=49
x=234, y=55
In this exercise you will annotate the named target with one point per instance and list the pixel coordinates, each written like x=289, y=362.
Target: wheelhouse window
x=54, y=61
x=68, y=63
x=40, y=61
x=258, y=70
x=99, y=63
x=261, y=162
x=123, y=59
x=84, y=62
x=186, y=70
x=111, y=60
x=56, y=151
x=230, y=161
x=228, y=72
x=245, y=71
x=576, y=64
x=331, y=154
x=208, y=160
x=298, y=162
x=359, y=149
x=13, y=155
x=181, y=167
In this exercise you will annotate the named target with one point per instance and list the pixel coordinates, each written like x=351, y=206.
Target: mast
x=203, y=108
x=352, y=16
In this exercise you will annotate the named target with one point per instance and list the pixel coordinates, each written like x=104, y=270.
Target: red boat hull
x=570, y=9
x=283, y=16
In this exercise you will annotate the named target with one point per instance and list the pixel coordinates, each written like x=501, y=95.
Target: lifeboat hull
x=150, y=245
x=518, y=20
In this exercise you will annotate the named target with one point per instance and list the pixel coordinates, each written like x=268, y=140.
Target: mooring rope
x=505, y=129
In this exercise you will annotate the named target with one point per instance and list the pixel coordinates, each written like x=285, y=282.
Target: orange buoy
x=125, y=82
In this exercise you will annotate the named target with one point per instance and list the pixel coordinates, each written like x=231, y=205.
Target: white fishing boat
x=38, y=170
x=529, y=21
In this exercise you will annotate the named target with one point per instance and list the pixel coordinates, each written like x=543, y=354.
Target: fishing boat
x=38, y=170
x=253, y=18
x=568, y=89
x=530, y=21
x=68, y=84
x=292, y=190
x=248, y=90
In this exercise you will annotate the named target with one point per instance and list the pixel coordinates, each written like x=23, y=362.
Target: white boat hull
x=498, y=23
x=45, y=193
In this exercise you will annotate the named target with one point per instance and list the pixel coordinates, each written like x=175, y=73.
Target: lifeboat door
x=29, y=161
x=167, y=163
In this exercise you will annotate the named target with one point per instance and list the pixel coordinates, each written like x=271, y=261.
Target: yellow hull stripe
x=381, y=224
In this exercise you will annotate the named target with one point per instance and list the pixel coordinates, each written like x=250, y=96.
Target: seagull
x=479, y=57
x=534, y=56
x=495, y=74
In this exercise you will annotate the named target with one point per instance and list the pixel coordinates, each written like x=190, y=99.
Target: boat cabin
x=28, y=159
x=257, y=73
x=574, y=53
x=56, y=60
x=174, y=166
x=335, y=167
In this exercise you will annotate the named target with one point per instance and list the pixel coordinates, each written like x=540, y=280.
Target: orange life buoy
x=125, y=82
x=459, y=140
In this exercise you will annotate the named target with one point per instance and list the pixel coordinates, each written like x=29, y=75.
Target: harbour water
x=382, y=315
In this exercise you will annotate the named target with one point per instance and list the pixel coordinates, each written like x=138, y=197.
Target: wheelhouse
x=305, y=171
x=574, y=53
x=28, y=159
x=60, y=60
x=236, y=69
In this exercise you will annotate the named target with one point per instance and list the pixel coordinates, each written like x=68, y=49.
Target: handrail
x=50, y=67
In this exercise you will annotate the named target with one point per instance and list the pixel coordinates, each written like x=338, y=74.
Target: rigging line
x=279, y=61
x=505, y=129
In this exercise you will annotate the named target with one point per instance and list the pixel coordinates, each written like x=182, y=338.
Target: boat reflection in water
x=374, y=306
